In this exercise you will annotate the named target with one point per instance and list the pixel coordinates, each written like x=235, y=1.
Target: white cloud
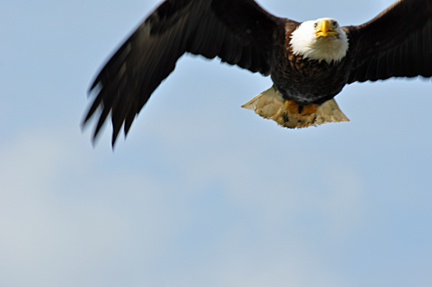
x=57, y=223
x=43, y=236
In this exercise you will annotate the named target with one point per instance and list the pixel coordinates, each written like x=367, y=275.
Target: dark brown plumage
x=397, y=43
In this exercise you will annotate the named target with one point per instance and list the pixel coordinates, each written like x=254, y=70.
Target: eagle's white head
x=322, y=39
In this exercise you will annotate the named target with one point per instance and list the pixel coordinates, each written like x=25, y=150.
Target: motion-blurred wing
x=396, y=43
x=238, y=31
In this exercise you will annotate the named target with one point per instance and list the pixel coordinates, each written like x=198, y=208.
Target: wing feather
x=149, y=55
x=396, y=43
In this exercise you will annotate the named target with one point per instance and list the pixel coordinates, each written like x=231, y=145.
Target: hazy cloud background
x=202, y=193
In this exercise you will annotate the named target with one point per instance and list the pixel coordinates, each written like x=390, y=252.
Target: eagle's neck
x=305, y=43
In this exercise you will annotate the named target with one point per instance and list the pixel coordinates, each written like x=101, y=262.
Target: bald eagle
x=309, y=62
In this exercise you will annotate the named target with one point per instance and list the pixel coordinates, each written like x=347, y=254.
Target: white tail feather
x=270, y=105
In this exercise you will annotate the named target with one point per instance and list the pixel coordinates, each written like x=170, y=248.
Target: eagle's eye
x=335, y=24
x=315, y=25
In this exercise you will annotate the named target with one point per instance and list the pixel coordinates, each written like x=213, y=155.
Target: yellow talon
x=309, y=109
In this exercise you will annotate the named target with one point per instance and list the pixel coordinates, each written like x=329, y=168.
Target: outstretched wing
x=396, y=43
x=238, y=31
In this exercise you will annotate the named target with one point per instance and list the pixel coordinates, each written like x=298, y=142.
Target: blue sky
x=202, y=192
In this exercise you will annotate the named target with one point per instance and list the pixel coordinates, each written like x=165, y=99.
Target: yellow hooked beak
x=325, y=29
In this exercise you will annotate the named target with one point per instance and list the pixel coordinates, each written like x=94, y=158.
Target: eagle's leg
x=294, y=108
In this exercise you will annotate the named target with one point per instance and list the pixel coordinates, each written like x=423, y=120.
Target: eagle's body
x=309, y=62
x=303, y=78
